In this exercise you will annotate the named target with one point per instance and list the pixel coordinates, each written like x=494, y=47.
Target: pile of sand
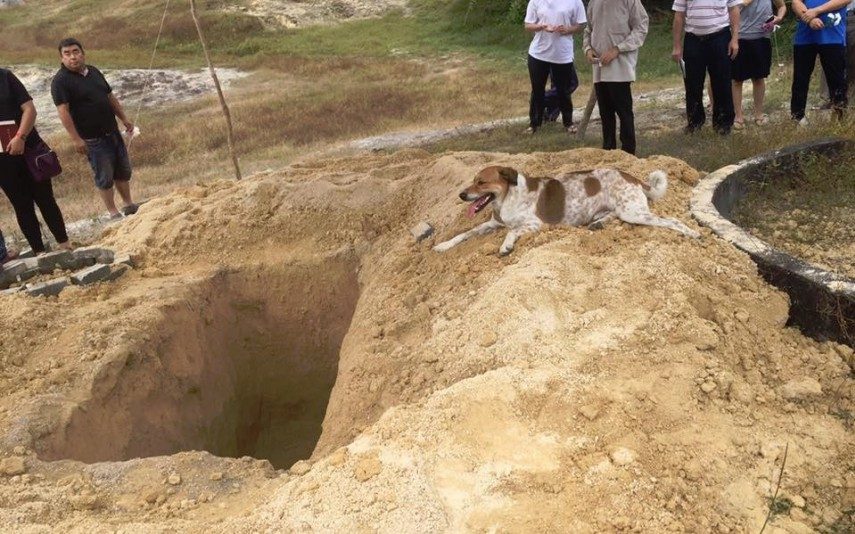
x=299, y=13
x=624, y=379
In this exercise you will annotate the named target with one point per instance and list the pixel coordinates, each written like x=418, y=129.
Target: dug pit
x=242, y=364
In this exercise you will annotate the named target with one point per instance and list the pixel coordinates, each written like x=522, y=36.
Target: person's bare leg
x=107, y=196
x=124, y=189
x=737, y=102
x=759, y=97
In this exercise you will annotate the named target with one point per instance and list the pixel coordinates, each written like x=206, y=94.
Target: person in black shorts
x=23, y=191
x=754, y=62
x=88, y=111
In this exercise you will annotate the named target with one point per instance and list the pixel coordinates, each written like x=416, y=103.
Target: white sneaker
x=803, y=122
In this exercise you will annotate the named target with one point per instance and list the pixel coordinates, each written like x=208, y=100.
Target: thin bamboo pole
x=586, y=116
x=229, y=134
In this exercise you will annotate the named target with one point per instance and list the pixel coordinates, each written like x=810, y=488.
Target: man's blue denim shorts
x=109, y=159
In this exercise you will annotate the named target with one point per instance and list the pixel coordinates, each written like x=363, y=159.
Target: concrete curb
x=822, y=303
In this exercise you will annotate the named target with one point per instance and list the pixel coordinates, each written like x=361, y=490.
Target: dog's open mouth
x=479, y=204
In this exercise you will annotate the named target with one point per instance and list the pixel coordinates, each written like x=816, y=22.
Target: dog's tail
x=658, y=182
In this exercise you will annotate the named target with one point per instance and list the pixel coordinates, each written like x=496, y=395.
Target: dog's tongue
x=477, y=204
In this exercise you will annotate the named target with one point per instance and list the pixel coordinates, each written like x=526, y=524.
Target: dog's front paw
x=442, y=247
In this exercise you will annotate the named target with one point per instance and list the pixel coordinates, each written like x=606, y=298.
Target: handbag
x=42, y=161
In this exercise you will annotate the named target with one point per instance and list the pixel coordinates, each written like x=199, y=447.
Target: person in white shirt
x=553, y=23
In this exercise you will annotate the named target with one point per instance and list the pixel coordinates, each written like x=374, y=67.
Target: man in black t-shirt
x=88, y=111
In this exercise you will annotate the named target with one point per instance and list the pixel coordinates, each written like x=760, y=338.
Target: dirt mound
x=623, y=379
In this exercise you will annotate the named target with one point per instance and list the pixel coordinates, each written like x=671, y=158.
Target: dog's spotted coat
x=579, y=198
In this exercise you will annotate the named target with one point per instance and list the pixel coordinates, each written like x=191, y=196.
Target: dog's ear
x=509, y=174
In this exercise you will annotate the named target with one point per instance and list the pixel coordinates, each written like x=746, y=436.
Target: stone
x=488, y=338
x=12, y=269
x=51, y=288
x=116, y=271
x=801, y=389
x=217, y=475
x=29, y=273
x=97, y=273
x=367, y=468
x=708, y=387
x=174, y=479
x=421, y=231
x=11, y=291
x=14, y=465
x=99, y=254
x=126, y=259
x=590, y=412
x=300, y=468
x=61, y=259
x=622, y=456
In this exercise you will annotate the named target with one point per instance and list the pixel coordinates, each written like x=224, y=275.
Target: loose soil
x=623, y=379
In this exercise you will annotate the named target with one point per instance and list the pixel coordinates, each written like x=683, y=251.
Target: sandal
x=762, y=120
x=738, y=125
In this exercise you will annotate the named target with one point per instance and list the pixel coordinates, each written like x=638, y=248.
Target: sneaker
x=530, y=130
x=803, y=122
x=130, y=209
x=114, y=216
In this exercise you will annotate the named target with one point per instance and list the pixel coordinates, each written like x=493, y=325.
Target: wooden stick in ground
x=225, y=107
x=586, y=116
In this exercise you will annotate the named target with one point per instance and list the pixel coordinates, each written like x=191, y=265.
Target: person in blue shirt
x=821, y=30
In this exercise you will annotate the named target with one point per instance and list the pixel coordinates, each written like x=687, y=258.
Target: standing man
x=711, y=41
x=821, y=30
x=616, y=30
x=88, y=111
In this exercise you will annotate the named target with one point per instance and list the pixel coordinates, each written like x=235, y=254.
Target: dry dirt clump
x=623, y=379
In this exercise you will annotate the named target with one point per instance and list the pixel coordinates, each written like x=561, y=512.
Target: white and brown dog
x=577, y=198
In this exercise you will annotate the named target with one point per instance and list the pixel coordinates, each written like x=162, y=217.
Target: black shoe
x=130, y=209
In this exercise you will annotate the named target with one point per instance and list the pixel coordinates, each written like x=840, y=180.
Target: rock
x=174, y=479
x=801, y=389
x=217, y=475
x=126, y=259
x=100, y=255
x=590, y=412
x=421, y=231
x=367, y=469
x=300, y=468
x=61, y=259
x=151, y=496
x=488, y=338
x=90, y=275
x=12, y=269
x=798, y=501
x=20, y=450
x=338, y=457
x=117, y=271
x=50, y=288
x=622, y=456
x=708, y=386
x=11, y=291
x=14, y=465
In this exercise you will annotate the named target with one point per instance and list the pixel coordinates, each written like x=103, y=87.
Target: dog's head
x=491, y=183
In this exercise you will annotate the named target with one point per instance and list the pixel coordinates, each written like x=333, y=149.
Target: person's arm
x=28, y=120
x=68, y=124
x=677, y=30
x=638, y=23
x=590, y=53
x=809, y=14
x=120, y=112
x=733, y=47
x=534, y=27
x=781, y=11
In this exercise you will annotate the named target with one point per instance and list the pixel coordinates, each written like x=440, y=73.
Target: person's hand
x=549, y=28
x=16, y=146
x=809, y=14
x=129, y=127
x=610, y=55
x=677, y=54
x=80, y=147
x=733, y=48
x=816, y=24
x=591, y=56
